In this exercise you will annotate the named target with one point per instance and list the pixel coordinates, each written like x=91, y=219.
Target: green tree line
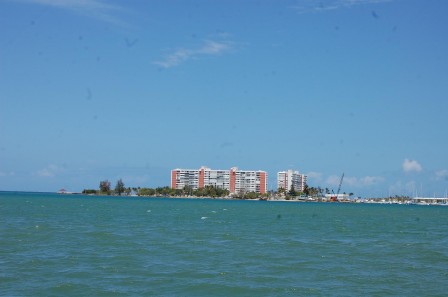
x=105, y=188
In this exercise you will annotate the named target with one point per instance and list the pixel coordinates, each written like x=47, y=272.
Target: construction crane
x=339, y=189
x=340, y=184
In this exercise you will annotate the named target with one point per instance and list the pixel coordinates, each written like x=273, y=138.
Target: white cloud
x=182, y=55
x=442, y=174
x=371, y=180
x=348, y=181
x=98, y=9
x=49, y=171
x=314, y=175
x=411, y=165
x=333, y=180
x=307, y=6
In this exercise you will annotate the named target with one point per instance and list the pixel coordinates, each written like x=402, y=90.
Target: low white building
x=339, y=197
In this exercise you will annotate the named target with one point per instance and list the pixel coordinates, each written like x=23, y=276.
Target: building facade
x=234, y=180
x=184, y=177
x=289, y=178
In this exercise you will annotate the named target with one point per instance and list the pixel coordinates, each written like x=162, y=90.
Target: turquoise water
x=62, y=245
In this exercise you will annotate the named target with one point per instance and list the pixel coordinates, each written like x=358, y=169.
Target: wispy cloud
x=411, y=166
x=11, y=173
x=49, y=171
x=310, y=6
x=348, y=181
x=333, y=180
x=98, y=9
x=442, y=175
x=314, y=174
x=316, y=177
x=182, y=55
x=363, y=181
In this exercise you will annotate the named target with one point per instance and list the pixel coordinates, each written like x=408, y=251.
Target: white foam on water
x=203, y=218
x=148, y=210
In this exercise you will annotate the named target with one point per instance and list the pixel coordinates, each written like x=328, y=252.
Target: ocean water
x=69, y=245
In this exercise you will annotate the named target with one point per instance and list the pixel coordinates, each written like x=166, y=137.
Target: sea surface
x=73, y=245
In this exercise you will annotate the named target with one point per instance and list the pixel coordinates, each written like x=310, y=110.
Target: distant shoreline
x=441, y=201
x=389, y=200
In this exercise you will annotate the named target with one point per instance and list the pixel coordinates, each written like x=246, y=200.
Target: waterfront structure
x=289, y=178
x=235, y=180
x=337, y=197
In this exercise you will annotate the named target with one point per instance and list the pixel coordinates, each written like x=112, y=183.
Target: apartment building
x=184, y=177
x=289, y=178
x=215, y=178
x=243, y=181
x=234, y=180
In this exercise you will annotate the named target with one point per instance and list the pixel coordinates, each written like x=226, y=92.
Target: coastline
x=387, y=201
x=424, y=201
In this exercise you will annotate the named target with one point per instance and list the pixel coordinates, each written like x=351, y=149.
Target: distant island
x=310, y=194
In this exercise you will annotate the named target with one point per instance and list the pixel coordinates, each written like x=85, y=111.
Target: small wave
x=148, y=210
x=203, y=218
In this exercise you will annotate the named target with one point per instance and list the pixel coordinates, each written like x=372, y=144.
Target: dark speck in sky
x=89, y=94
x=375, y=15
x=131, y=43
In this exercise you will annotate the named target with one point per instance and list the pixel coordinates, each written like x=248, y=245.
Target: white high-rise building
x=216, y=178
x=243, y=181
x=185, y=177
x=289, y=178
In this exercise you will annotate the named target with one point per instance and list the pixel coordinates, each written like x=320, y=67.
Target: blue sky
x=94, y=89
